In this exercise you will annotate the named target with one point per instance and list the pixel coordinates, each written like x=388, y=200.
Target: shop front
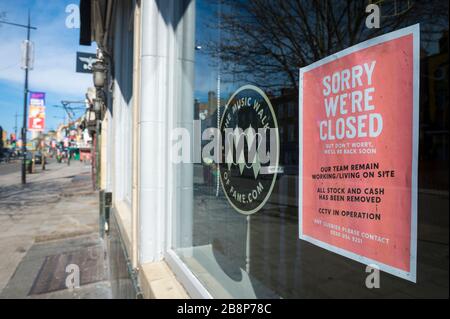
x=277, y=149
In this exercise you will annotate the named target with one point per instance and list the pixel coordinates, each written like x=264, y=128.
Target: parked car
x=5, y=155
x=38, y=157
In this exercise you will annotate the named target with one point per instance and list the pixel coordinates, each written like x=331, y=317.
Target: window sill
x=159, y=282
x=123, y=218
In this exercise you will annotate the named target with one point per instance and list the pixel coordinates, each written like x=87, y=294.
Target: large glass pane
x=263, y=44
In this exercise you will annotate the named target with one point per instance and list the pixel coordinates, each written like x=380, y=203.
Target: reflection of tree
x=270, y=40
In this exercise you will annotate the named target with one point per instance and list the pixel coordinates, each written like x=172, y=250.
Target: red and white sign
x=36, y=116
x=359, y=116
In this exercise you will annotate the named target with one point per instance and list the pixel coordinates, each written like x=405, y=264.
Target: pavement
x=10, y=167
x=49, y=234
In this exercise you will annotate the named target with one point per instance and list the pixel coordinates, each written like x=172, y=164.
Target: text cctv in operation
x=358, y=100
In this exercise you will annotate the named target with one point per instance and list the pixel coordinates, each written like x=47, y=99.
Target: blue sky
x=205, y=66
x=55, y=57
x=205, y=72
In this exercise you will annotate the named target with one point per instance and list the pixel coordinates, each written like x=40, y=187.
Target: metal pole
x=15, y=126
x=25, y=100
x=25, y=93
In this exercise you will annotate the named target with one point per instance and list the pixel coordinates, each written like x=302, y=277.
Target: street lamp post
x=25, y=93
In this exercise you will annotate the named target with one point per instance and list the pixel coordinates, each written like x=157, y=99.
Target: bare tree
x=267, y=41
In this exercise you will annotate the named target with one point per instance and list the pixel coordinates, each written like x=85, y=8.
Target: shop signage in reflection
x=358, y=152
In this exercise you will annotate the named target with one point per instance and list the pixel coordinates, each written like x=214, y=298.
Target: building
x=172, y=229
x=2, y=137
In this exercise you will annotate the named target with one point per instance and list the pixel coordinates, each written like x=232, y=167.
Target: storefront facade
x=183, y=73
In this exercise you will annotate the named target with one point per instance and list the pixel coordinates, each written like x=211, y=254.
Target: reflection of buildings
x=212, y=102
x=2, y=139
x=434, y=121
x=202, y=110
x=286, y=109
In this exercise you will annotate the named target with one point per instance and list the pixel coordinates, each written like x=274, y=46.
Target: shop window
x=260, y=46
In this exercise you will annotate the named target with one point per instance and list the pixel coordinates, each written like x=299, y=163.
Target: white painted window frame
x=166, y=52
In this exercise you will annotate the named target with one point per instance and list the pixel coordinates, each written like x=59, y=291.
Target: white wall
x=167, y=69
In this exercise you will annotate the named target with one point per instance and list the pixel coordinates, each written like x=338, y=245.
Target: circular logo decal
x=250, y=149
